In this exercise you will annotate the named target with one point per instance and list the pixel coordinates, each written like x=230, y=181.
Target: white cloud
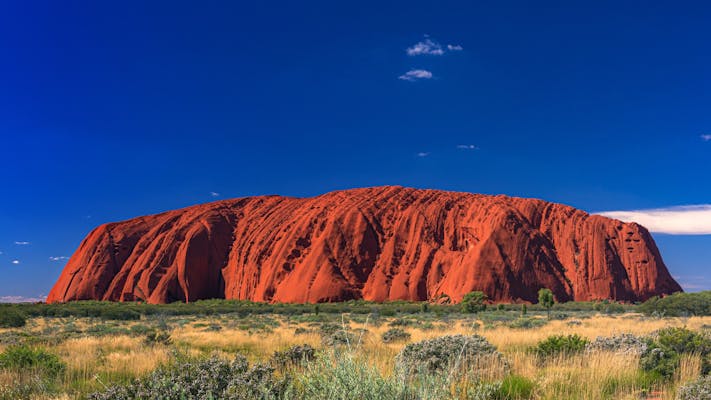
x=706, y=138
x=680, y=220
x=58, y=258
x=425, y=47
x=22, y=243
x=15, y=262
x=22, y=299
x=467, y=147
x=454, y=47
x=423, y=154
x=415, y=74
x=214, y=194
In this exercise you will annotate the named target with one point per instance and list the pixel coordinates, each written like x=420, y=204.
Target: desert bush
x=207, y=379
x=697, y=390
x=158, y=337
x=293, y=356
x=395, y=335
x=11, y=318
x=665, y=346
x=446, y=353
x=560, y=345
x=342, y=377
x=679, y=305
x=338, y=338
x=625, y=343
x=22, y=358
x=474, y=302
x=527, y=323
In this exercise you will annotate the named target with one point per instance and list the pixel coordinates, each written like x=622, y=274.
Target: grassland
x=98, y=353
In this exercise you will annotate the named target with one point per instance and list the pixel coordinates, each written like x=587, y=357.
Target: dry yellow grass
x=93, y=360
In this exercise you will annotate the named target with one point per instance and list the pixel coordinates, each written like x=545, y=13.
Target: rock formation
x=382, y=243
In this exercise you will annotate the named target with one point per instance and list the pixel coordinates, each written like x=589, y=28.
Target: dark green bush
x=23, y=358
x=560, y=345
x=10, y=318
x=666, y=346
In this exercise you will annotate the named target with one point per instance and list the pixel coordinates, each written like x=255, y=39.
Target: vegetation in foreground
x=353, y=350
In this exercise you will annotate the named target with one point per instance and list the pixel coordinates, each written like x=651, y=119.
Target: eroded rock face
x=383, y=243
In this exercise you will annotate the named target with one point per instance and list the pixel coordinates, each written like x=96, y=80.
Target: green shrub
x=473, y=302
x=395, y=335
x=679, y=305
x=447, y=353
x=10, y=318
x=23, y=357
x=665, y=347
x=560, y=345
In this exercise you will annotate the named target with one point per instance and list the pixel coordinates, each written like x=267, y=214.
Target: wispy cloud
x=429, y=47
x=467, y=147
x=22, y=243
x=15, y=262
x=22, y=299
x=680, y=220
x=415, y=74
x=214, y=194
x=706, y=137
x=423, y=154
x=425, y=47
x=58, y=258
x=693, y=283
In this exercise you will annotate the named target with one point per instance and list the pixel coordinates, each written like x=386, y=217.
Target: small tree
x=473, y=302
x=545, y=298
x=524, y=310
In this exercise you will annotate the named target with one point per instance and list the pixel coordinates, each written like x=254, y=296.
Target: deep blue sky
x=113, y=110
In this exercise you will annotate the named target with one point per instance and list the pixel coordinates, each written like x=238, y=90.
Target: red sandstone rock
x=383, y=243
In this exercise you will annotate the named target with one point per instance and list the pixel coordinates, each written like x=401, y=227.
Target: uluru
x=377, y=244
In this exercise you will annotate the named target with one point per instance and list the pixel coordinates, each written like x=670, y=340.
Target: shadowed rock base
x=382, y=243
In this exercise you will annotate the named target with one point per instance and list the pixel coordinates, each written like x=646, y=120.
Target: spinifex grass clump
x=208, y=379
x=454, y=354
x=625, y=343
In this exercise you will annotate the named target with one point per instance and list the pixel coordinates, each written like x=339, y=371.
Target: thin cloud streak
x=415, y=74
x=15, y=262
x=706, y=138
x=22, y=243
x=22, y=299
x=423, y=154
x=58, y=258
x=467, y=147
x=680, y=220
